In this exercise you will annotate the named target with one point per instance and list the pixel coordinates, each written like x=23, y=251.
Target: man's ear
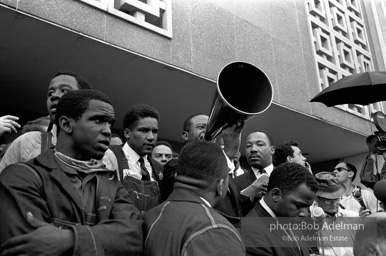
x=219, y=186
x=289, y=159
x=126, y=133
x=185, y=136
x=66, y=124
x=351, y=174
x=276, y=194
x=272, y=150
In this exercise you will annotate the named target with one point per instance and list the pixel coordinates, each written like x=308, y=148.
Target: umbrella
x=362, y=89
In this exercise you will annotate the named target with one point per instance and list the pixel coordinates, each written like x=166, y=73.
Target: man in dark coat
x=291, y=191
x=65, y=201
x=187, y=224
x=194, y=129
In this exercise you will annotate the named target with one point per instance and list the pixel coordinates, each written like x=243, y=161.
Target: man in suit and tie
x=259, y=150
x=291, y=191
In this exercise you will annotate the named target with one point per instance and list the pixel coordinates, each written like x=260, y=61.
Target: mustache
x=254, y=155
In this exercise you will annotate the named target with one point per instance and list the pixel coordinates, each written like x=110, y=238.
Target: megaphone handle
x=225, y=126
x=215, y=135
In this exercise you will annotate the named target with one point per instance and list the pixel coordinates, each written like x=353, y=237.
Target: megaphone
x=243, y=91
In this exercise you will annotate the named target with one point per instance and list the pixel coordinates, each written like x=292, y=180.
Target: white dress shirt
x=268, y=169
x=134, y=165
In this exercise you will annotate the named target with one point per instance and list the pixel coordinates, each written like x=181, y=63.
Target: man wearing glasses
x=346, y=174
x=328, y=198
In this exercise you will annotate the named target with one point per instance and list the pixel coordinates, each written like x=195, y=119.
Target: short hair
x=74, y=103
x=137, y=112
x=164, y=143
x=270, y=140
x=289, y=176
x=283, y=150
x=203, y=161
x=351, y=168
x=188, y=121
x=81, y=81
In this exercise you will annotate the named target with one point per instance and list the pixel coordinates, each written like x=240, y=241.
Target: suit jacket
x=157, y=167
x=255, y=230
x=245, y=179
x=230, y=207
x=241, y=182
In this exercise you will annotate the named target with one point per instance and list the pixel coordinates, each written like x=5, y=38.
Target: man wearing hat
x=329, y=195
x=328, y=198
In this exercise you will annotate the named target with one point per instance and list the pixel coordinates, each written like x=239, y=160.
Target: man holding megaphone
x=194, y=129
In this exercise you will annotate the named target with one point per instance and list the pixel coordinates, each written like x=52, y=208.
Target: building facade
x=168, y=54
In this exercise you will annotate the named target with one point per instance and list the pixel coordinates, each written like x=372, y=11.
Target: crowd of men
x=71, y=187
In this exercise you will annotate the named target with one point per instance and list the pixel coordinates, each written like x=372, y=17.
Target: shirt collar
x=268, y=169
x=131, y=155
x=266, y=207
x=230, y=164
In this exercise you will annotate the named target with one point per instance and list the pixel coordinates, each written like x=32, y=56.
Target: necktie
x=262, y=171
x=144, y=171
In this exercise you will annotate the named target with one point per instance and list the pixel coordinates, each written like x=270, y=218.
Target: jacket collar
x=47, y=160
x=183, y=193
x=109, y=186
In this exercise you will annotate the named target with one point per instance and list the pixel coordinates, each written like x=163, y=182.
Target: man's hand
x=364, y=212
x=8, y=124
x=259, y=192
x=308, y=166
x=232, y=139
x=45, y=240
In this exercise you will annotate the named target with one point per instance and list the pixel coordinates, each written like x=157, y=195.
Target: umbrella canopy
x=363, y=89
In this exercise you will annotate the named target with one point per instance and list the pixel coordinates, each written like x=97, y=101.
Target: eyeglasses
x=339, y=169
x=330, y=201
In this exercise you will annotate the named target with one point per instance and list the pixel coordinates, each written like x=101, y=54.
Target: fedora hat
x=329, y=185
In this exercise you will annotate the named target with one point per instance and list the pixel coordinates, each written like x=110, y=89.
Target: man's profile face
x=258, y=150
x=342, y=172
x=298, y=156
x=197, y=129
x=162, y=154
x=296, y=203
x=142, y=137
x=91, y=133
x=59, y=86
